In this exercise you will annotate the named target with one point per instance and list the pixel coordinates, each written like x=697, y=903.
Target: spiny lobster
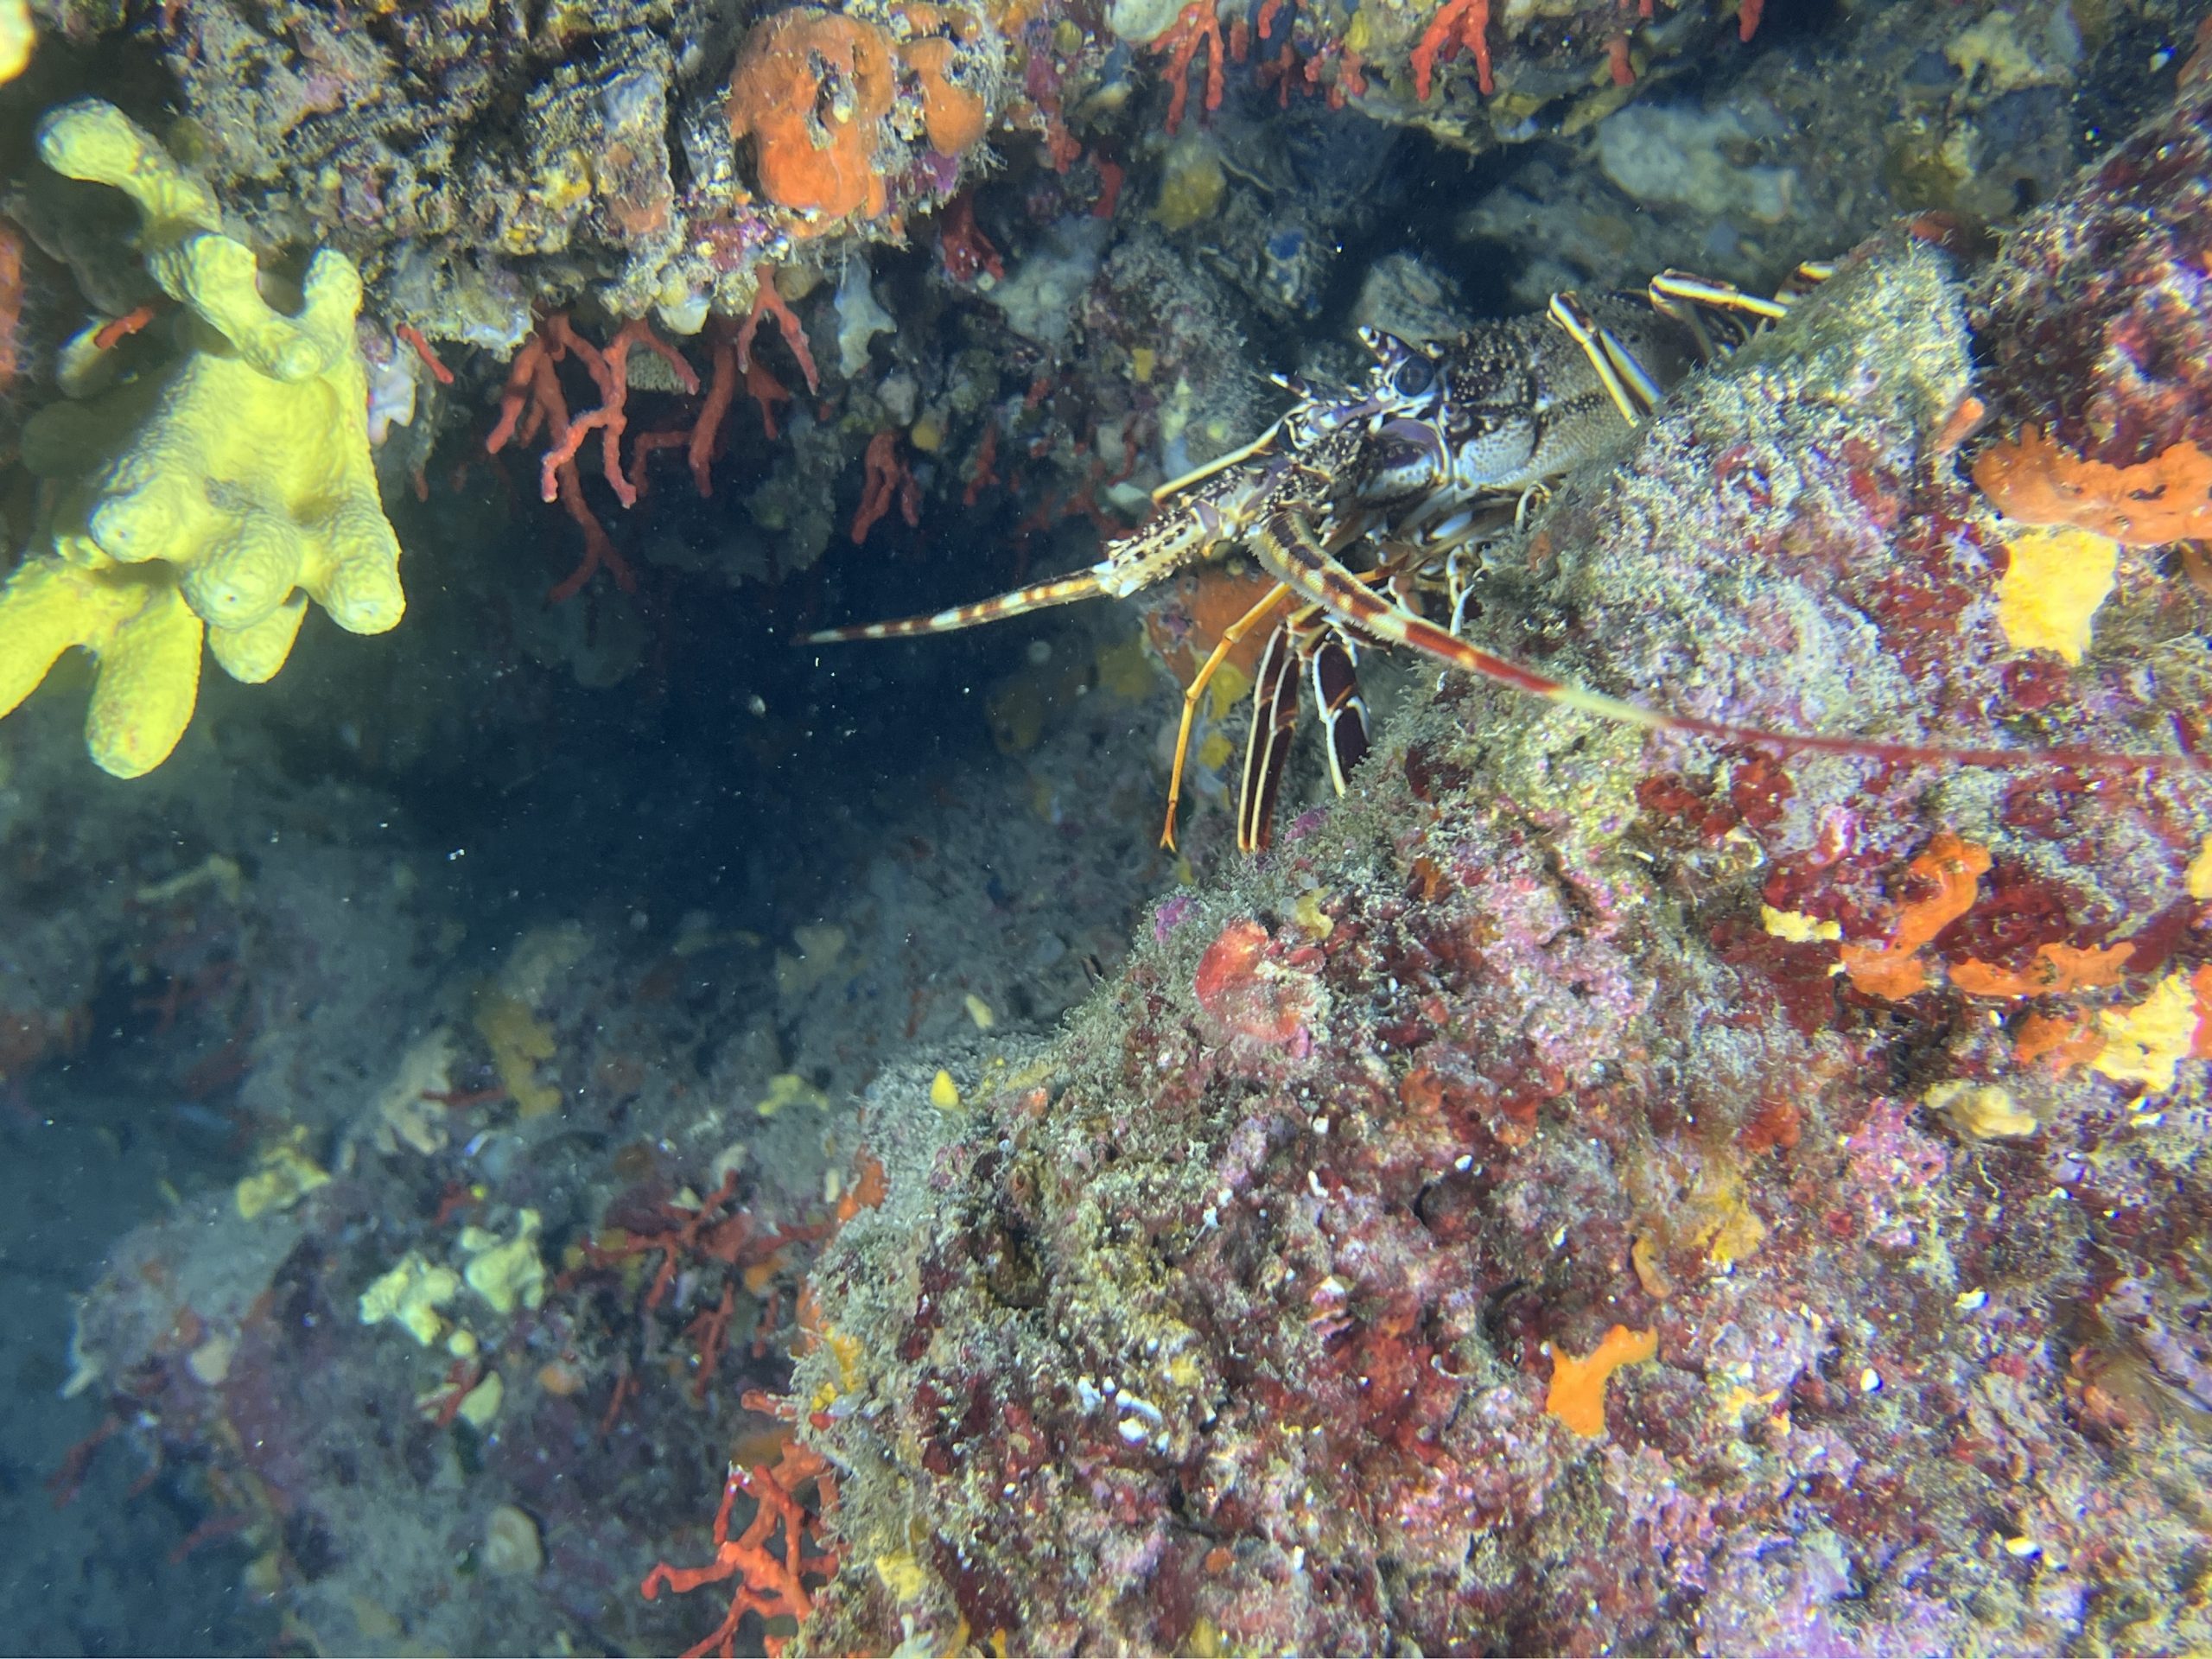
x=1441, y=450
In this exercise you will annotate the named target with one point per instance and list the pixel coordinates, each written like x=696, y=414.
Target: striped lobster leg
x=1395, y=572
x=1626, y=381
x=1230, y=635
x=1266, y=748
x=1683, y=298
x=1313, y=638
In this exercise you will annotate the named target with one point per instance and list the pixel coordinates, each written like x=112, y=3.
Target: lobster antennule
x=1289, y=552
x=1046, y=594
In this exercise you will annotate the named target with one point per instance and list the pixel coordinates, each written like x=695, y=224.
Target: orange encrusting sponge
x=2165, y=498
x=1953, y=869
x=1577, y=1395
x=809, y=88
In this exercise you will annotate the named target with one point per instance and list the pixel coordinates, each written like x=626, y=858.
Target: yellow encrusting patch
x=2199, y=878
x=1797, y=928
x=2145, y=1044
x=2051, y=588
x=1982, y=1111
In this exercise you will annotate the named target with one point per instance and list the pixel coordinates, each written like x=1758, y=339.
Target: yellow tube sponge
x=136, y=623
x=240, y=474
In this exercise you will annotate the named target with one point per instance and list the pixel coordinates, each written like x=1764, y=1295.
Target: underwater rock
x=1184, y=1338
x=1671, y=156
x=2097, y=314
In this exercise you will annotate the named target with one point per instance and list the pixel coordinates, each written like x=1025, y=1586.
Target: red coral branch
x=413, y=336
x=711, y=1330
x=598, y=551
x=610, y=372
x=721, y=389
x=966, y=250
x=1109, y=189
x=1198, y=26
x=532, y=401
x=111, y=334
x=704, y=1230
x=986, y=469
x=767, y=302
x=1458, y=23
x=766, y=393
x=889, y=479
x=771, y=1580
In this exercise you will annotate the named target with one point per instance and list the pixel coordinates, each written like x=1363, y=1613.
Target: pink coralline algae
x=1233, y=1326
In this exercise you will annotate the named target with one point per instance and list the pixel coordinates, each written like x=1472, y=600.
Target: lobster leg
x=1630, y=386
x=1808, y=275
x=1673, y=292
x=1230, y=635
x=1333, y=664
x=1275, y=718
x=1311, y=638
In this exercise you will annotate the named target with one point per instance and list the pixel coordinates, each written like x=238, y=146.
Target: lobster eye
x=1415, y=376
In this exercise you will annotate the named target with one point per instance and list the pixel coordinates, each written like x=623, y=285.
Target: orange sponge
x=2037, y=481
x=810, y=88
x=1577, y=1395
x=951, y=115
x=1953, y=869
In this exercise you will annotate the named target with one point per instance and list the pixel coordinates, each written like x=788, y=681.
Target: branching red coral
x=1456, y=23
x=889, y=480
x=966, y=250
x=1198, y=26
x=413, y=337
x=609, y=370
x=767, y=303
x=721, y=390
x=771, y=1578
x=704, y=1230
x=532, y=401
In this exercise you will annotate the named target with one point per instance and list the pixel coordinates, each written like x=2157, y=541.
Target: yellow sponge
x=227, y=490
x=136, y=623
